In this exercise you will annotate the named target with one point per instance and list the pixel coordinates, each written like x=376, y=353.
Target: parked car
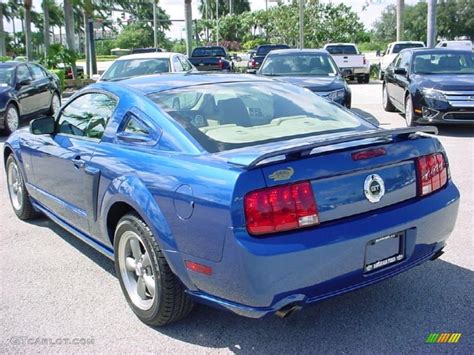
x=391, y=52
x=140, y=64
x=462, y=44
x=257, y=58
x=313, y=69
x=244, y=193
x=26, y=90
x=431, y=86
x=350, y=61
x=211, y=58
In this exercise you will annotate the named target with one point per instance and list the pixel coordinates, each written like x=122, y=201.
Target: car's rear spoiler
x=252, y=158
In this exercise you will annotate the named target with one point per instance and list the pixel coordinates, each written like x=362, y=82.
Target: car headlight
x=434, y=95
x=336, y=94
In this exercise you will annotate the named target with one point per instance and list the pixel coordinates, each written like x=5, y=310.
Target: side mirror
x=400, y=71
x=24, y=82
x=95, y=77
x=43, y=125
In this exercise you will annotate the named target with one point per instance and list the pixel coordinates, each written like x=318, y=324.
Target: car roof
x=273, y=45
x=161, y=82
x=437, y=50
x=298, y=51
x=340, y=44
x=402, y=42
x=149, y=55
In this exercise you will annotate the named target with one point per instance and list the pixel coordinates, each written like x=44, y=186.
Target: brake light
x=364, y=60
x=220, y=63
x=432, y=173
x=281, y=208
x=253, y=63
x=367, y=154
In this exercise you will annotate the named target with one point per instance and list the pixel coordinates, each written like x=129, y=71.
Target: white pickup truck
x=350, y=61
x=391, y=52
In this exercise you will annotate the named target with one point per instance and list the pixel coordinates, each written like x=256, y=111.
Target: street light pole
x=431, y=28
x=301, y=41
x=400, y=15
x=217, y=23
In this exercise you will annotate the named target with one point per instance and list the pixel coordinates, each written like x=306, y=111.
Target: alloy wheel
x=15, y=186
x=12, y=119
x=55, y=104
x=136, y=270
x=409, y=111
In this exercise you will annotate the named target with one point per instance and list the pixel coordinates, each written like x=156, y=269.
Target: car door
x=42, y=85
x=26, y=91
x=400, y=81
x=62, y=179
x=390, y=80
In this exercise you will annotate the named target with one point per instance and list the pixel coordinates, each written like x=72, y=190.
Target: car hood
x=447, y=82
x=314, y=83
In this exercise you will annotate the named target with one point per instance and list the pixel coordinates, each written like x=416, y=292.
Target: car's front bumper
x=259, y=277
x=457, y=109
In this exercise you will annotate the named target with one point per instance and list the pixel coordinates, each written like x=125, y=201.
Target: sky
x=175, y=8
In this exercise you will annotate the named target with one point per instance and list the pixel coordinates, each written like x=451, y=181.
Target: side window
x=136, y=126
x=177, y=64
x=185, y=63
x=396, y=62
x=23, y=73
x=405, y=60
x=38, y=72
x=87, y=115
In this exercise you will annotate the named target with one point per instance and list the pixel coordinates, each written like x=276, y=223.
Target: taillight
x=281, y=208
x=220, y=63
x=432, y=173
x=253, y=63
x=364, y=60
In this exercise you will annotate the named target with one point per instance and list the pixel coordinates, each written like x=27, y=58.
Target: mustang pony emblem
x=283, y=174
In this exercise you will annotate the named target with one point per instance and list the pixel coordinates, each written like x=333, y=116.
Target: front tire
x=410, y=117
x=12, y=119
x=19, y=197
x=387, y=103
x=151, y=289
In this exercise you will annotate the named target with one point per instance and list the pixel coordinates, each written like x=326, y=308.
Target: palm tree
x=27, y=4
x=3, y=49
x=69, y=27
x=188, y=16
x=207, y=8
x=46, y=28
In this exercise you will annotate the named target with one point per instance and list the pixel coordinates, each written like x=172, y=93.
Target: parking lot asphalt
x=56, y=290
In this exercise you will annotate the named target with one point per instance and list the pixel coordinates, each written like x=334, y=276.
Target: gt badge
x=283, y=174
x=374, y=188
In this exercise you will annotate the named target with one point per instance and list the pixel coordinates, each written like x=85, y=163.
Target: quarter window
x=185, y=63
x=87, y=116
x=177, y=64
x=135, y=126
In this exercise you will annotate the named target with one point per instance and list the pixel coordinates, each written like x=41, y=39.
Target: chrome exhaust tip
x=287, y=310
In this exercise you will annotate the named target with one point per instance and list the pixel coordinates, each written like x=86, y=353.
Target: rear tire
x=151, y=289
x=387, y=104
x=360, y=79
x=19, y=197
x=367, y=79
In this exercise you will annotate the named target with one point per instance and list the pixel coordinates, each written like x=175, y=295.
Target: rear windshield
x=299, y=64
x=208, y=52
x=122, y=69
x=233, y=115
x=342, y=49
x=263, y=51
x=401, y=46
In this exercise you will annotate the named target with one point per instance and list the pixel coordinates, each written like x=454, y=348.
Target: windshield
x=6, y=75
x=401, y=46
x=299, y=64
x=342, y=49
x=232, y=115
x=444, y=63
x=121, y=69
x=264, y=50
x=208, y=52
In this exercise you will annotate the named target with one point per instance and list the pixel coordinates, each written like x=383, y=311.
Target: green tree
x=135, y=36
x=208, y=9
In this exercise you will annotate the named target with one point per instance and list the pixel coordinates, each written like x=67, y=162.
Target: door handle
x=78, y=162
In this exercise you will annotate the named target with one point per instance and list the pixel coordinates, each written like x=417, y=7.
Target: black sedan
x=313, y=69
x=433, y=86
x=26, y=89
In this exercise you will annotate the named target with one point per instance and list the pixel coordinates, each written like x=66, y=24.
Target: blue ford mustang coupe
x=244, y=193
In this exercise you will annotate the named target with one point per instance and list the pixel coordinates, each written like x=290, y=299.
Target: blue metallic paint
x=251, y=276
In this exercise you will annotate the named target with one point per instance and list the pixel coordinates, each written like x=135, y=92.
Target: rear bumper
x=258, y=277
